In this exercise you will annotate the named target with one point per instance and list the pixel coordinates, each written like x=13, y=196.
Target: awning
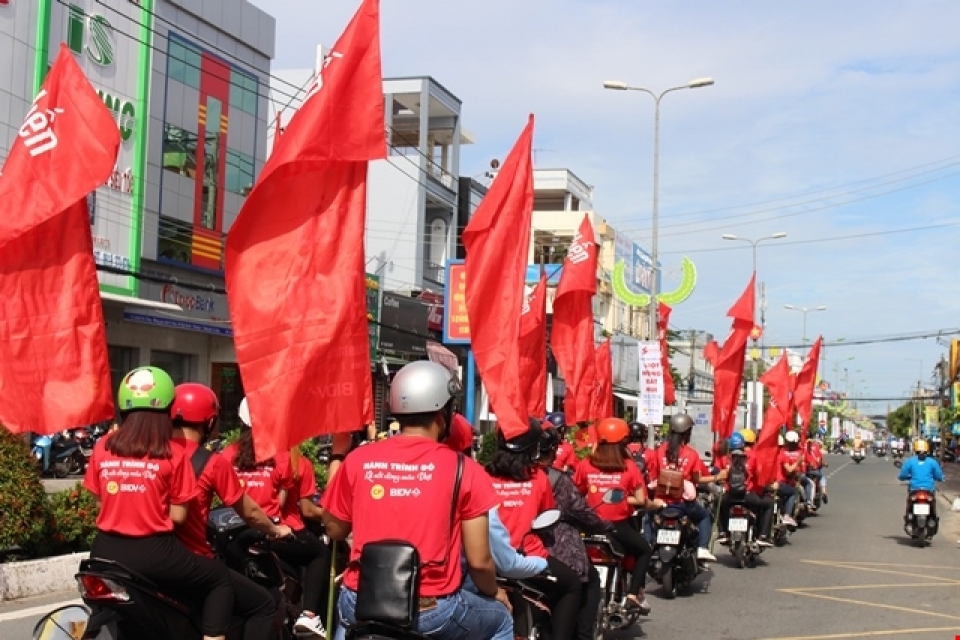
x=627, y=397
x=139, y=302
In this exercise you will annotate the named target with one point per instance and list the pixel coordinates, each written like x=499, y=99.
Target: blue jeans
x=462, y=616
x=789, y=494
x=809, y=488
x=701, y=516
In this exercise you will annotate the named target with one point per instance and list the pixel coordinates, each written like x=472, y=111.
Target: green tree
x=900, y=420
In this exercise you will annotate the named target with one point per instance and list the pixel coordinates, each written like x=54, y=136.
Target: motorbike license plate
x=921, y=509
x=668, y=536
x=602, y=571
x=738, y=525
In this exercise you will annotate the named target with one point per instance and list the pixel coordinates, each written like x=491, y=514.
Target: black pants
x=638, y=547
x=762, y=507
x=564, y=598
x=306, y=550
x=162, y=559
x=590, y=596
x=256, y=607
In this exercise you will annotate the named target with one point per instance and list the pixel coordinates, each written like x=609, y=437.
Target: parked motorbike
x=742, y=527
x=674, y=562
x=858, y=455
x=64, y=455
x=920, y=523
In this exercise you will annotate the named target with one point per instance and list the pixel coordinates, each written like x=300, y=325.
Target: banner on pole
x=650, y=405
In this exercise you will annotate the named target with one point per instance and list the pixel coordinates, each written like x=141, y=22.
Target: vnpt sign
x=90, y=34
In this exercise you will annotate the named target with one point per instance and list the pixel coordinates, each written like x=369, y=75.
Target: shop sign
x=403, y=329
x=456, y=325
x=373, y=314
x=203, y=311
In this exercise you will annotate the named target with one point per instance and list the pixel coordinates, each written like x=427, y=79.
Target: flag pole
x=471, y=389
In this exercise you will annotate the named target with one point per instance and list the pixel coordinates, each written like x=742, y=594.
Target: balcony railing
x=434, y=273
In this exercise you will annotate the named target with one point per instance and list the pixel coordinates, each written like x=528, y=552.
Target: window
x=239, y=176
x=179, y=151
x=178, y=365
x=211, y=164
x=438, y=242
x=183, y=64
x=176, y=240
x=243, y=92
x=122, y=361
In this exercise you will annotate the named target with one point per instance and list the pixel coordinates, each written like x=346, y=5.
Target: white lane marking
x=36, y=611
x=839, y=469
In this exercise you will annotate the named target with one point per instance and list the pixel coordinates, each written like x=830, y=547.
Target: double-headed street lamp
x=804, y=311
x=617, y=85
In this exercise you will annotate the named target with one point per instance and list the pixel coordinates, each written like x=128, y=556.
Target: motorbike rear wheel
x=669, y=584
x=598, y=624
x=61, y=468
x=740, y=554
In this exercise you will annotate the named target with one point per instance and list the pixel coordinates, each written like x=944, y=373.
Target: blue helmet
x=557, y=419
x=736, y=441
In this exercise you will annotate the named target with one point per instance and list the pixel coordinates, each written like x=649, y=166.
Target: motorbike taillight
x=598, y=554
x=737, y=510
x=104, y=589
x=921, y=496
x=669, y=523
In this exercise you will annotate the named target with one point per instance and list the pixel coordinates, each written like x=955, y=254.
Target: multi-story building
x=186, y=82
x=695, y=385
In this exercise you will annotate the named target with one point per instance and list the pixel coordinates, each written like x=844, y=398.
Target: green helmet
x=147, y=388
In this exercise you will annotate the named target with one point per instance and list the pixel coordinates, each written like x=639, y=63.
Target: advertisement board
x=403, y=325
x=456, y=324
x=639, y=264
x=373, y=314
x=626, y=362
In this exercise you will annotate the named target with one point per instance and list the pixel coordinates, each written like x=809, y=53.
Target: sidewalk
x=950, y=488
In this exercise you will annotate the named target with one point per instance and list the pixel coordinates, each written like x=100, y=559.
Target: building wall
x=17, y=53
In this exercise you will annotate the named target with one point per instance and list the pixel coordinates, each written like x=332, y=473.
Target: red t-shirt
x=218, y=477
x=594, y=483
x=688, y=461
x=814, y=455
x=136, y=493
x=304, y=486
x=753, y=474
x=401, y=488
x=786, y=457
x=566, y=456
x=520, y=504
x=264, y=483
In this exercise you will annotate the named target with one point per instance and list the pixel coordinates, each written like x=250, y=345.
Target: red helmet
x=612, y=430
x=194, y=403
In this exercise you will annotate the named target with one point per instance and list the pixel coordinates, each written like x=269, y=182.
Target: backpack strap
x=199, y=460
x=554, y=476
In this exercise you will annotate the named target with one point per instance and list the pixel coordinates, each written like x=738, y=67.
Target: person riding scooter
x=923, y=472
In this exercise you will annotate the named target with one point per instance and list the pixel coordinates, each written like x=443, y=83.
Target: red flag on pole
x=496, y=240
x=779, y=384
x=54, y=369
x=806, y=379
x=533, y=349
x=603, y=401
x=294, y=257
x=663, y=323
x=572, y=337
x=728, y=367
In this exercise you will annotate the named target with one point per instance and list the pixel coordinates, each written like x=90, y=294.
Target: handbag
x=388, y=589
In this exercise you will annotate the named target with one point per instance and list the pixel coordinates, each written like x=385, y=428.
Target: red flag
x=533, y=349
x=54, y=369
x=294, y=257
x=778, y=383
x=603, y=401
x=806, y=379
x=496, y=240
x=728, y=367
x=663, y=323
x=572, y=334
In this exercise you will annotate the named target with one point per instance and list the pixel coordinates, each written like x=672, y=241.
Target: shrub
x=23, y=502
x=488, y=446
x=71, y=521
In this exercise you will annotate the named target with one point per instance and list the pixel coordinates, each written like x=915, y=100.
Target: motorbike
x=531, y=611
x=742, y=526
x=858, y=455
x=780, y=532
x=818, y=497
x=920, y=523
x=614, y=568
x=897, y=455
x=125, y=605
x=674, y=562
x=64, y=455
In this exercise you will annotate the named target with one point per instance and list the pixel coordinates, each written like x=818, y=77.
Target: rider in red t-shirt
x=195, y=412
x=789, y=470
x=813, y=457
x=566, y=459
x=392, y=489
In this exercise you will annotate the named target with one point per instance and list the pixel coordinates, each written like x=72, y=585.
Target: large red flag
x=778, y=382
x=603, y=401
x=806, y=379
x=728, y=366
x=572, y=334
x=533, y=349
x=54, y=369
x=496, y=240
x=663, y=323
x=294, y=257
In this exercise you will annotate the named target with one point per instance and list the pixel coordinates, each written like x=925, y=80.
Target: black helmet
x=680, y=423
x=524, y=442
x=638, y=432
x=549, y=439
x=557, y=419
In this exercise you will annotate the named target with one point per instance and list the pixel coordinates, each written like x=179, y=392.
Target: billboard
x=403, y=325
x=638, y=274
x=456, y=325
x=625, y=354
x=373, y=313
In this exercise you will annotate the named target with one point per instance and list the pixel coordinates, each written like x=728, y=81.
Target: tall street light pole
x=755, y=403
x=618, y=85
x=804, y=311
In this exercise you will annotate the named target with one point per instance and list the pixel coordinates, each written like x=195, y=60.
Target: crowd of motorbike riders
x=472, y=526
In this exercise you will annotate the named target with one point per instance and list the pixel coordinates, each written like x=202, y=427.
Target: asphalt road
x=850, y=572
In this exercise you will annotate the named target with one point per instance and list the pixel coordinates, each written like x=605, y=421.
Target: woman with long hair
x=525, y=493
x=143, y=483
x=613, y=487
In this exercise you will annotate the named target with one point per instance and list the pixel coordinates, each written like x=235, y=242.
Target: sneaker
x=311, y=625
x=724, y=539
x=789, y=521
x=764, y=542
x=705, y=555
x=645, y=607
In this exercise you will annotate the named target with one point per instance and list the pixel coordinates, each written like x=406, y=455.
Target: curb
x=38, y=577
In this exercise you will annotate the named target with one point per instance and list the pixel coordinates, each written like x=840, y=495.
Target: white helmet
x=792, y=437
x=422, y=387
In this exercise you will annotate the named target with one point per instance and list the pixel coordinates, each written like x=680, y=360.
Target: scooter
x=920, y=523
x=742, y=527
x=64, y=455
x=674, y=562
x=614, y=568
x=858, y=455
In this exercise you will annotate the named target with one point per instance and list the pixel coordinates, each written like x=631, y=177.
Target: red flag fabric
x=294, y=257
x=573, y=334
x=496, y=241
x=603, y=400
x=778, y=383
x=663, y=323
x=728, y=367
x=54, y=369
x=806, y=379
x=533, y=349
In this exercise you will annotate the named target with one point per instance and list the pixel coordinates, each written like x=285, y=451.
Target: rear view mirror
x=614, y=496
x=546, y=519
x=707, y=454
x=65, y=623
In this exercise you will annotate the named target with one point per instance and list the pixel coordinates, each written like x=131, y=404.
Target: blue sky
x=826, y=120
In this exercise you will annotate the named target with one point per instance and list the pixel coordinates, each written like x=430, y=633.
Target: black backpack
x=737, y=479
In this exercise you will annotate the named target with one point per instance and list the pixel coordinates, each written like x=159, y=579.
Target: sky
x=837, y=123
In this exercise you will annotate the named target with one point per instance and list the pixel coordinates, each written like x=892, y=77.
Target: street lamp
x=753, y=368
x=804, y=311
x=618, y=85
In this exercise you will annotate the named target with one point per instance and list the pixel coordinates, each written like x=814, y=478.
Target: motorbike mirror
x=614, y=496
x=707, y=454
x=546, y=519
x=65, y=623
